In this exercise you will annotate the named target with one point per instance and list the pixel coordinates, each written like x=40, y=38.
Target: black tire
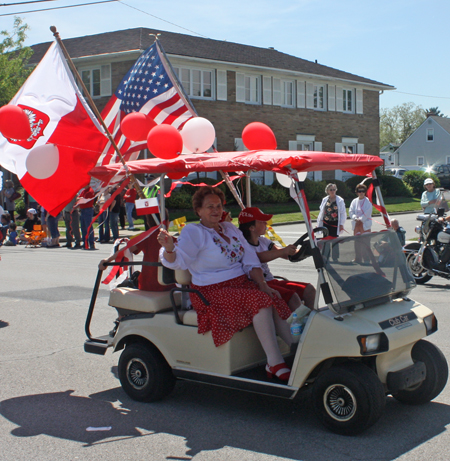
x=418, y=272
x=348, y=398
x=144, y=373
x=437, y=375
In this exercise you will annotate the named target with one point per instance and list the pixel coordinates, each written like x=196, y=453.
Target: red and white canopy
x=278, y=161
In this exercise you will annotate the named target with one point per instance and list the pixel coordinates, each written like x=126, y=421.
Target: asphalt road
x=51, y=391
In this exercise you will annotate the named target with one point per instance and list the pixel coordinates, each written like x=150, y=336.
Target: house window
x=288, y=94
x=306, y=146
x=319, y=97
x=347, y=100
x=349, y=148
x=97, y=80
x=197, y=83
x=252, y=89
x=430, y=134
x=447, y=159
x=420, y=161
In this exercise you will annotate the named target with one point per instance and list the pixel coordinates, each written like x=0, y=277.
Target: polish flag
x=66, y=141
x=147, y=206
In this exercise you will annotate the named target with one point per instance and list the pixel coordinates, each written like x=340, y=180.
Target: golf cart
x=362, y=341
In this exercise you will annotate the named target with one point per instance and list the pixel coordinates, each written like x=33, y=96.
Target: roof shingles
x=196, y=47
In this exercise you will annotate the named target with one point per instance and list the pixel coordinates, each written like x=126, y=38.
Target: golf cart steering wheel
x=305, y=246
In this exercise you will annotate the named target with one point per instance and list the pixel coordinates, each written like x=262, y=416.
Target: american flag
x=149, y=87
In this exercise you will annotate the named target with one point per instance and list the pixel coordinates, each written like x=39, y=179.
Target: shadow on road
x=222, y=418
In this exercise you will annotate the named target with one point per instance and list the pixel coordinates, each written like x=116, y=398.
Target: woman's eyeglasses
x=360, y=191
x=331, y=190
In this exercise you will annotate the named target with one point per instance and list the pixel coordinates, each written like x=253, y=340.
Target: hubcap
x=137, y=373
x=339, y=402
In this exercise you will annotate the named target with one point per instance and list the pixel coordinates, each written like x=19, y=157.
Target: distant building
x=308, y=105
x=428, y=145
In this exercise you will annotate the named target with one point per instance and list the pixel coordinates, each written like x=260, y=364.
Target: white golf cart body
x=363, y=339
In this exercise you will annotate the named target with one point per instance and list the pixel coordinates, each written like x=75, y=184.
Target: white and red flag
x=149, y=87
x=147, y=206
x=66, y=141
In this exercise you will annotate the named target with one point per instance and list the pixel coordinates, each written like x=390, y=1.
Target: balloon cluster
x=14, y=122
x=165, y=141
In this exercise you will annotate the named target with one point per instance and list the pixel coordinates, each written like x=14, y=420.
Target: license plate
x=401, y=321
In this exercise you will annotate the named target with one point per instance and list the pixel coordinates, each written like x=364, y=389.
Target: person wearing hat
x=229, y=275
x=252, y=223
x=431, y=197
x=30, y=222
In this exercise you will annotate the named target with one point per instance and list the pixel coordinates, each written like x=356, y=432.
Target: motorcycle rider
x=430, y=197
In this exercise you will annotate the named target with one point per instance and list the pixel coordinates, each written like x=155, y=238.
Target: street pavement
x=51, y=391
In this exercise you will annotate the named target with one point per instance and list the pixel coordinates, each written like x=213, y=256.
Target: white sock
x=264, y=325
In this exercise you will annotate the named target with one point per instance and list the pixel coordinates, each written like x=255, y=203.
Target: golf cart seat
x=132, y=299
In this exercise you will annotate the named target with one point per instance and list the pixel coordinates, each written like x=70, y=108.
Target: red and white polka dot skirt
x=233, y=304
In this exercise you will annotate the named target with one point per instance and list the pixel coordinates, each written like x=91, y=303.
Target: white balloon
x=198, y=134
x=43, y=161
x=284, y=180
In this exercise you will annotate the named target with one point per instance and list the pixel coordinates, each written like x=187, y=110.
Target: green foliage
x=415, y=180
x=20, y=208
x=398, y=123
x=390, y=186
x=180, y=199
x=13, y=58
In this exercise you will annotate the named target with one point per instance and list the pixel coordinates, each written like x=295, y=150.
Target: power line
x=24, y=3
x=161, y=19
x=58, y=7
x=423, y=95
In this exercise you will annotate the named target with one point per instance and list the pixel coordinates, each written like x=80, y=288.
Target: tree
x=13, y=59
x=435, y=111
x=399, y=122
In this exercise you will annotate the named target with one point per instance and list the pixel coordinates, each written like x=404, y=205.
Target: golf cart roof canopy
x=278, y=161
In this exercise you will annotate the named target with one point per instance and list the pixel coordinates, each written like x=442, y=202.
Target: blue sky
x=403, y=43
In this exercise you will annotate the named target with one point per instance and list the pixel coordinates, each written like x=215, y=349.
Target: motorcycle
x=423, y=257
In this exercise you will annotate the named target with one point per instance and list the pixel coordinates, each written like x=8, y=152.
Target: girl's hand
x=165, y=240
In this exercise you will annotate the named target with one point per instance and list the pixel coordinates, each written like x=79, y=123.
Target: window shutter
x=339, y=99
x=359, y=101
x=267, y=90
x=338, y=147
x=332, y=97
x=105, y=80
x=221, y=85
x=360, y=148
x=317, y=175
x=240, y=87
x=293, y=145
x=301, y=95
x=309, y=95
x=277, y=92
x=317, y=146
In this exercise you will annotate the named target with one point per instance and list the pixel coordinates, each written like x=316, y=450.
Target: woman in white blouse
x=220, y=262
x=360, y=212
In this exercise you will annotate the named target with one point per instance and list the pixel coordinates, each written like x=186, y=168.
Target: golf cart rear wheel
x=144, y=373
x=348, y=398
x=436, y=379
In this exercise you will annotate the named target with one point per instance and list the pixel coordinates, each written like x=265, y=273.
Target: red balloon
x=14, y=122
x=176, y=175
x=164, y=141
x=136, y=126
x=257, y=135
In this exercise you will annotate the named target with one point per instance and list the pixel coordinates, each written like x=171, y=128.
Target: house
x=387, y=154
x=428, y=145
x=309, y=106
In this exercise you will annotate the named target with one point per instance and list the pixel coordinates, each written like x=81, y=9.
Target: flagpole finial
x=53, y=29
x=155, y=35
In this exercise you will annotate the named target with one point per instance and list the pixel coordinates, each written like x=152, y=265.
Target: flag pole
x=96, y=112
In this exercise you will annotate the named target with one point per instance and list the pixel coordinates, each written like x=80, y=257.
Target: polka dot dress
x=233, y=304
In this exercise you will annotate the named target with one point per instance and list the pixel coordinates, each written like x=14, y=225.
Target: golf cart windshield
x=380, y=275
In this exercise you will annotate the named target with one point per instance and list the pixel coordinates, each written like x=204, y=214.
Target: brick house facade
x=309, y=106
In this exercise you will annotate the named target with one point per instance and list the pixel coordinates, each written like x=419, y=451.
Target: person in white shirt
x=360, y=212
x=221, y=262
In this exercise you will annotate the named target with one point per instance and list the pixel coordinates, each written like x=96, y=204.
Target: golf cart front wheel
x=348, y=398
x=144, y=373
